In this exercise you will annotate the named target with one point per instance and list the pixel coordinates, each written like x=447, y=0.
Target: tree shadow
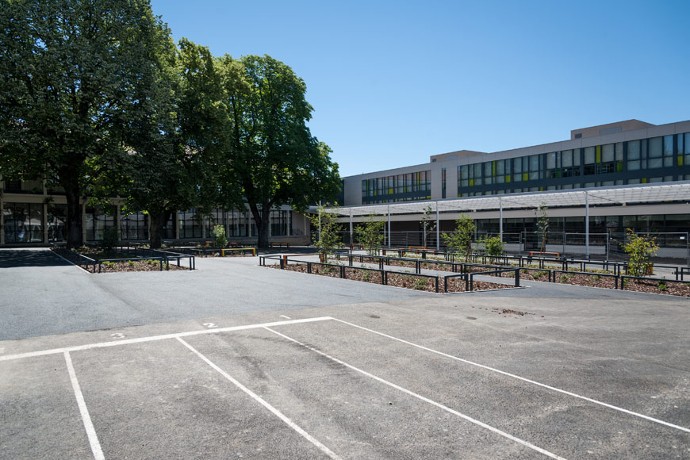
x=14, y=258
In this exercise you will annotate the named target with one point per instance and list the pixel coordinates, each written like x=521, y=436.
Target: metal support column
x=389, y=225
x=438, y=229
x=500, y=218
x=587, y=225
x=352, y=242
x=319, y=221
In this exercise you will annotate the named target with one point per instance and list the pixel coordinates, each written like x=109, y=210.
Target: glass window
x=669, y=154
x=655, y=147
x=668, y=146
x=551, y=160
x=57, y=216
x=23, y=222
x=567, y=158
x=619, y=151
x=534, y=167
x=589, y=155
x=653, y=163
x=607, y=153
x=633, y=155
x=500, y=167
x=463, y=174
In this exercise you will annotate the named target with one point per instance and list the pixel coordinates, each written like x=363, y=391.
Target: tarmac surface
x=234, y=360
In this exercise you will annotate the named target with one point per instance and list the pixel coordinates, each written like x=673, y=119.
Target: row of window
x=624, y=157
x=401, y=187
x=23, y=223
x=236, y=223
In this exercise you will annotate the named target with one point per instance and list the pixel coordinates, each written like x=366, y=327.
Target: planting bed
x=402, y=280
x=95, y=260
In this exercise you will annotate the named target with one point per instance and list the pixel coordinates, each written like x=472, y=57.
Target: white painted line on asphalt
x=263, y=402
x=286, y=317
x=423, y=398
x=508, y=374
x=85, y=417
x=71, y=263
x=33, y=354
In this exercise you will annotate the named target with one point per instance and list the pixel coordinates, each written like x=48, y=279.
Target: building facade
x=629, y=153
x=34, y=214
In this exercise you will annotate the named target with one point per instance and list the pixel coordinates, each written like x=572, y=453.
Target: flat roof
x=620, y=195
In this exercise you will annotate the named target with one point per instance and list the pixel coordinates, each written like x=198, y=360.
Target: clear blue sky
x=392, y=82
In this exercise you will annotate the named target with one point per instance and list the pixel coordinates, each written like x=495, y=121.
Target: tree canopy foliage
x=75, y=74
x=96, y=98
x=272, y=155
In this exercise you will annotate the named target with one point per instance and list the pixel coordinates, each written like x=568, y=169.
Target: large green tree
x=175, y=143
x=272, y=156
x=74, y=75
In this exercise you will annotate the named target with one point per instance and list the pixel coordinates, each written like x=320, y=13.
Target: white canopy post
x=587, y=224
x=438, y=229
x=389, y=225
x=319, y=223
x=500, y=218
x=352, y=242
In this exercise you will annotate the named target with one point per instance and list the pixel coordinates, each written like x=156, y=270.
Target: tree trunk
x=158, y=221
x=262, y=221
x=75, y=236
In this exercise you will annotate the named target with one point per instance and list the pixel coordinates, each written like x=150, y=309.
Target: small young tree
x=427, y=223
x=219, y=236
x=370, y=236
x=493, y=246
x=460, y=239
x=640, y=250
x=542, y=226
x=327, y=237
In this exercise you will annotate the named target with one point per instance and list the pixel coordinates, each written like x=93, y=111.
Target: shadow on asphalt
x=15, y=258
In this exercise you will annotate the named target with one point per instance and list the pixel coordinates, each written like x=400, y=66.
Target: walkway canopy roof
x=636, y=194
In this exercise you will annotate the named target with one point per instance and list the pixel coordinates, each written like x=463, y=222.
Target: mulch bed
x=669, y=287
x=141, y=265
x=410, y=281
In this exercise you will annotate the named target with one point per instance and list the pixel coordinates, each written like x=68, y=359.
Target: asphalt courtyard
x=234, y=360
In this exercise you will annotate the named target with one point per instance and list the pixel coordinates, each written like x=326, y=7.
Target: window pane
x=619, y=151
x=608, y=154
x=634, y=150
x=655, y=149
x=668, y=146
x=551, y=160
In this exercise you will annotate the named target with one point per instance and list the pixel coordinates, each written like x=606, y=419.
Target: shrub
x=219, y=236
x=110, y=238
x=640, y=250
x=419, y=284
x=370, y=236
x=493, y=246
x=327, y=238
x=460, y=239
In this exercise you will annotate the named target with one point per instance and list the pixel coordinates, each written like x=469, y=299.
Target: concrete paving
x=547, y=371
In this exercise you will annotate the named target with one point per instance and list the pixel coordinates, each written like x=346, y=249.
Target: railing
x=384, y=273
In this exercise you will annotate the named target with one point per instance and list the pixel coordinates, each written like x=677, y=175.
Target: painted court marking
x=84, y=411
x=122, y=341
x=508, y=374
x=263, y=402
x=422, y=398
x=119, y=339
